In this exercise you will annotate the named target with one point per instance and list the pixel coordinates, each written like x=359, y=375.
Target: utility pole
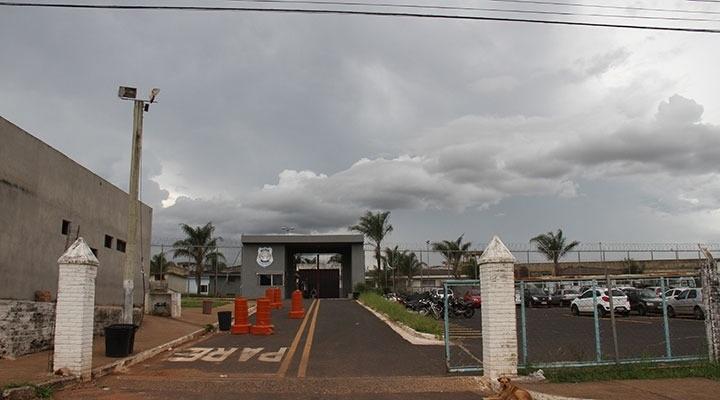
x=131, y=246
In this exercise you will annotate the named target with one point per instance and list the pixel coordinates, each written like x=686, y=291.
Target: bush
x=360, y=287
x=398, y=313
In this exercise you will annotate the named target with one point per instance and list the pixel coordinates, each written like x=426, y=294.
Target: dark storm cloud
x=270, y=120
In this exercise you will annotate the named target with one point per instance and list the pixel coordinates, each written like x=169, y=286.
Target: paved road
x=339, y=351
x=554, y=334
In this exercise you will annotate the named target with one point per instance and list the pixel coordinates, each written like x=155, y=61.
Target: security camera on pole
x=131, y=253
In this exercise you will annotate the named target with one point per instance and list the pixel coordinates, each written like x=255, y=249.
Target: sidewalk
x=649, y=389
x=155, y=331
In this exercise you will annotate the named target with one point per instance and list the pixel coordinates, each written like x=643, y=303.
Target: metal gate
x=463, y=336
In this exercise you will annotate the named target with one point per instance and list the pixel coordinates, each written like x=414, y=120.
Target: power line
x=355, y=12
x=558, y=3
x=458, y=8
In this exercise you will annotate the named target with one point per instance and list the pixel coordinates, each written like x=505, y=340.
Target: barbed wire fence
x=525, y=253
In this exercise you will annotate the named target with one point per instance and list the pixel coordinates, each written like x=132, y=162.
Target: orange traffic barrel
x=262, y=325
x=297, y=311
x=241, y=324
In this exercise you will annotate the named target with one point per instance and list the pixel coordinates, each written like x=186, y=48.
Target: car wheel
x=670, y=312
x=601, y=311
x=469, y=313
x=642, y=310
x=575, y=310
x=699, y=314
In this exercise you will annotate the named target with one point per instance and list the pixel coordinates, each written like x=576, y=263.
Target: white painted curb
x=544, y=396
x=407, y=333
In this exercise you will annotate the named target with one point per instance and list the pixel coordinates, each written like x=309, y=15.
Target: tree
x=375, y=226
x=454, y=252
x=392, y=259
x=553, y=246
x=199, y=246
x=470, y=267
x=158, y=264
x=409, y=265
x=217, y=261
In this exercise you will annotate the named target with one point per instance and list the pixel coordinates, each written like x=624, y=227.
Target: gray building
x=47, y=200
x=269, y=260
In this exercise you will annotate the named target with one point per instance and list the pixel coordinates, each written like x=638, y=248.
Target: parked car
x=639, y=298
x=564, y=297
x=534, y=297
x=517, y=296
x=584, y=303
x=654, y=305
x=472, y=298
x=689, y=302
x=674, y=292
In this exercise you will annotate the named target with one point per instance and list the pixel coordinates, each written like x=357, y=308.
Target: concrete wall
x=358, y=267
x=39, y=188
x=614, y=267
x=27, y=326
x=251, y=269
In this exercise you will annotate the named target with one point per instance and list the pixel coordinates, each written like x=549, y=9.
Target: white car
x=584, y=303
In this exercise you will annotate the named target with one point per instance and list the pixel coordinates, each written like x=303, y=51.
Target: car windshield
x=535, y=291
x=571, y=291
x=473, y=292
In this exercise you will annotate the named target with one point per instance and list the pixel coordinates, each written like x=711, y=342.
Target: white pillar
x=499, y=333
x=75, y=310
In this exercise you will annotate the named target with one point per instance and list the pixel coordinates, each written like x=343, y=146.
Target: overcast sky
x=471, y=127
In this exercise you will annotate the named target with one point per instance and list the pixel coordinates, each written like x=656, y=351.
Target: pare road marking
x=219, y=354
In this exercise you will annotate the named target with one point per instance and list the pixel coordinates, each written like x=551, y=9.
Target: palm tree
x=454, y=252
x=199, y=246
x=392, y=259
x=217, y=260
x=158, y=264
x=409, y=265
x=470, y=267
x=375, y=226
x=553, y=246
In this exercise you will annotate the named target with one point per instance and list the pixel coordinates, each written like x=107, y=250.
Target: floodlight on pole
x=131, y=253
x=287, y=229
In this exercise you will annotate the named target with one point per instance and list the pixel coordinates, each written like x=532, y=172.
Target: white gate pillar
x=75, y=310
x=499, y=333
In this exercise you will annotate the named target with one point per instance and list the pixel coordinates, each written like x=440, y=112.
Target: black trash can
x=119, y=340
x=224, y=320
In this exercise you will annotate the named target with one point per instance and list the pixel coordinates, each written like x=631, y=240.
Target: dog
x=510, y=391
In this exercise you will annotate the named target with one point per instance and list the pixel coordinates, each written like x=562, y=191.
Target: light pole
x=131, y=253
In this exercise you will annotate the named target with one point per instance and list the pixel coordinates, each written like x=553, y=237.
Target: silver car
x=689, y=302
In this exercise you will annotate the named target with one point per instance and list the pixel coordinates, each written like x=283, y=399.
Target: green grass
x=397, y=312
x=193, y=302
x=634, y=371
x=43, y=392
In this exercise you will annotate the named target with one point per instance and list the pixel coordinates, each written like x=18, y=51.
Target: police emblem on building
x=264, y=257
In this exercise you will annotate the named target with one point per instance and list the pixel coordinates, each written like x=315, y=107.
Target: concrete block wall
x=25, y=327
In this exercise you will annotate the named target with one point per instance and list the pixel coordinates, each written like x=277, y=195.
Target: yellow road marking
x=288, y=359
x=302, y=369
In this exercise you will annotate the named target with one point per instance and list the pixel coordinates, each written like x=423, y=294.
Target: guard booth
x=283, y=260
